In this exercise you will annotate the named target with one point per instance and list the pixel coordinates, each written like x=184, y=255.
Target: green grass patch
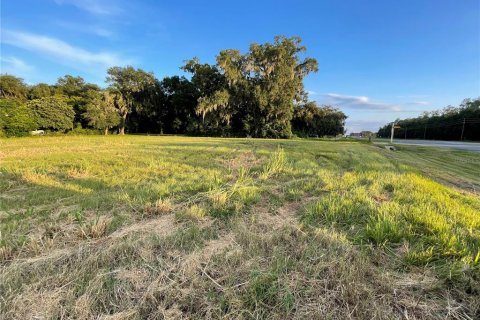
x=143, y=222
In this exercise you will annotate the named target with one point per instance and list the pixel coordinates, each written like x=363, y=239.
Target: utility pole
x=394, y=126
x=425, y=133
x=391, y=135
x=463, y=129
x=405, y=133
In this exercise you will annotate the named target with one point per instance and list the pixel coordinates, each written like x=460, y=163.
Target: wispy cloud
x=419, y=103
x=17, y=67
x=90, y=29
x=312, y=93
x=102, y=32
x=361, y=125
x=62, y=52
x=414, y=96
x=414, y=99
x=97, y=7
x=358, y=102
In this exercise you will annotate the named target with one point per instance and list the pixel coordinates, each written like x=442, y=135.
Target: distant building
x=363, y=134
x=366, y=134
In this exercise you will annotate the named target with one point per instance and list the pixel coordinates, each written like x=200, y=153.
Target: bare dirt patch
x=245, y=160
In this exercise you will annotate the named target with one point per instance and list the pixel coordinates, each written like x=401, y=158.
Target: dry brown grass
x=245, y=160
x=5, y=253
x=161, y=206
x=237, y=247
x=95, y=229
x=263, y=265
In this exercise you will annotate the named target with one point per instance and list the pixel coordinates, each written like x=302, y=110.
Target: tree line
x=450, y=123
x=259, y=93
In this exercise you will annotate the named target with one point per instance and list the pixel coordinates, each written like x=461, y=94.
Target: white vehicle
x=37, y=132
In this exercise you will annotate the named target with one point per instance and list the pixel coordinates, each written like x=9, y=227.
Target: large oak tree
x=260, y=89
x=133, y=84
x=12, y=87
x=101, y=112
x=52, y=113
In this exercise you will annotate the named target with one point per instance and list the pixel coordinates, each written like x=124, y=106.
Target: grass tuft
x=275, y=165
x=159, y=207
x=385, y=228
x=96, y=228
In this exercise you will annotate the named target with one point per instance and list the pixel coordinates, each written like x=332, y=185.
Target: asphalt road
x=470, y=146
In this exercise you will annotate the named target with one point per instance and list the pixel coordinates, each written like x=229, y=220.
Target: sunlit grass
x=359, y=191
x=58, y=192
x=437, y=223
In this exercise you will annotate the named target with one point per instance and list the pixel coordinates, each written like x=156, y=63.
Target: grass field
x=137, y=227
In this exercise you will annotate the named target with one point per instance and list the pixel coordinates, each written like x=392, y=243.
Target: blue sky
x=379, y=60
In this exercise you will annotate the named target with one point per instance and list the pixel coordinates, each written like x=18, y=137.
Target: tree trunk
x=122, y=124
x=106, y=131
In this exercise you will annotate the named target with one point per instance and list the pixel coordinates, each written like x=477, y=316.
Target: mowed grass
x=454, y=167
x=141, y=227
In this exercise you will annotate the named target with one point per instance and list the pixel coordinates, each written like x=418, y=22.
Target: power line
x=443, y=124
x=405, y=128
